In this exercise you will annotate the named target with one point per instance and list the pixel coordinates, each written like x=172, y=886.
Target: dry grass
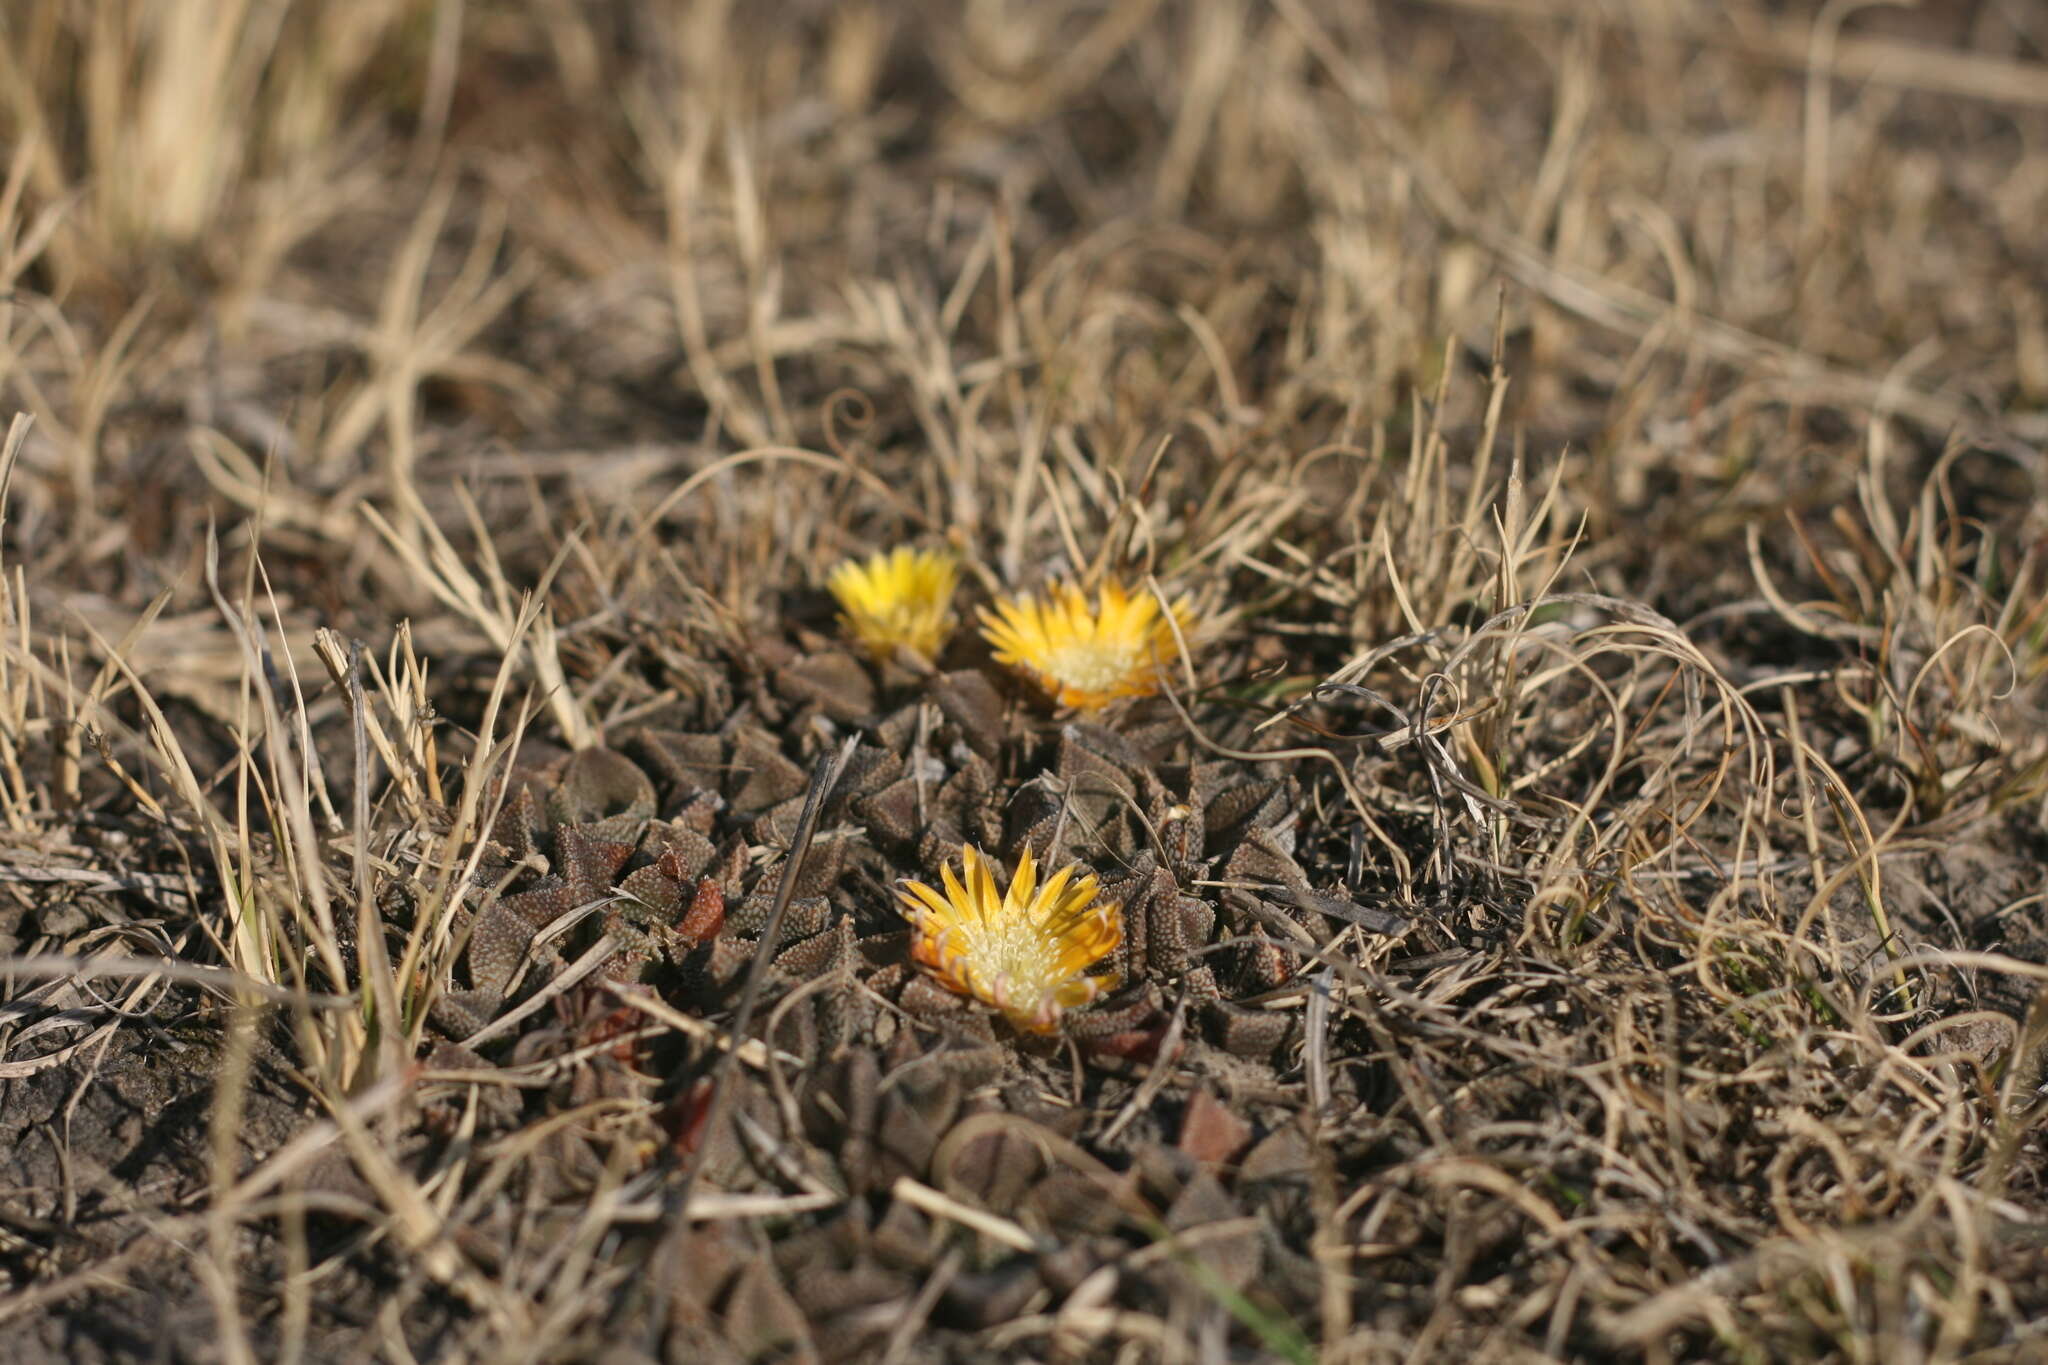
x=1605, y=440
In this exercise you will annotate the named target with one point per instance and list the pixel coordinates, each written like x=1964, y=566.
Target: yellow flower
x=899, y=597
x=1026, y=951
x=1087, y=659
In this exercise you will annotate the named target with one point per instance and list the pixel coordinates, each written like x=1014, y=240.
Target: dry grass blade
x=823, y=779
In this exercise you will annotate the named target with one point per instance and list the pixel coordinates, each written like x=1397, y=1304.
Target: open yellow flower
x=898, y=597
x=1087, y=658
x=1025, y=951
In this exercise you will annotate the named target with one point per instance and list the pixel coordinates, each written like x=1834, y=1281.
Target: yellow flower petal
x=901, y=598
x=1028, y=950
x=1087, y=658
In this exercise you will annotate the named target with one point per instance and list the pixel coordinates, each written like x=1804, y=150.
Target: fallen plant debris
x=1496, y=810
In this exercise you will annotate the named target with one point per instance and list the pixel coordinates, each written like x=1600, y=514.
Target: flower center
x=1092, y=665
x=1016, y=953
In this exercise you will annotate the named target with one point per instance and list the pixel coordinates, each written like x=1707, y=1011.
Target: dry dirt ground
x=1582, y=894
